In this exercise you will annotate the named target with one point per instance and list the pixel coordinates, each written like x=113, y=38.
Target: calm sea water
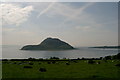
x=14, y=52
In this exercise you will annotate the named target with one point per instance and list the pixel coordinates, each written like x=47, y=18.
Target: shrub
x=27, y=67
x=108, y=57
x=42, y=70
x=117, y=65
x=91, y=62
x=67, y=63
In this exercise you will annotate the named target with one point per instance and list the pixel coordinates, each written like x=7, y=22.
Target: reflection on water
x=15, y=52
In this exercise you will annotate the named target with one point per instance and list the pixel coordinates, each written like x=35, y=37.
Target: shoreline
x=109, y=57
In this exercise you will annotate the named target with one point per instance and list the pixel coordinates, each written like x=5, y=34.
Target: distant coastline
x=106, y=47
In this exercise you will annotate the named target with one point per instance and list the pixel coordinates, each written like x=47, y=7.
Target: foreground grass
x=0, y=69
x=78, y=69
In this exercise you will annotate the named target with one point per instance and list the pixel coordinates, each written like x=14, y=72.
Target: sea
x=14, y=52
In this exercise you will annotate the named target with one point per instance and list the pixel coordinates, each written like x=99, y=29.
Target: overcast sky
x=78, y=23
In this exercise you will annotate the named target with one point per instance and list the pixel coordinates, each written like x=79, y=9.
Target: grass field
x=60, y=69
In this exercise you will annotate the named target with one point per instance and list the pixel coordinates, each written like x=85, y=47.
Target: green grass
x=81, y=69
x=0, y=69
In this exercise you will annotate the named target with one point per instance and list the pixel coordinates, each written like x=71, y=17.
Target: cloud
x=46, y=9
x=74, y=14
x=60, y=9
x=66, y=12
x=79, y=11
x=8, y=29
x=83, y=28
x=14, y=14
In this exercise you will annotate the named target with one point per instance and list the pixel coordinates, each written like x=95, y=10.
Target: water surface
x=14, y=52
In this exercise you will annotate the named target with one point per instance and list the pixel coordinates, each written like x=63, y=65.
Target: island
x=49, y=44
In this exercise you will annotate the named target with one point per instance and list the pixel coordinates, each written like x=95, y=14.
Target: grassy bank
x=61, y=69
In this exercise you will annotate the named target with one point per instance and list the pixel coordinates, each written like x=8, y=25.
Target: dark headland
x=49, y=44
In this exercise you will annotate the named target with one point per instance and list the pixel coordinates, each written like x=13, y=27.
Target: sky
x=78, y=23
